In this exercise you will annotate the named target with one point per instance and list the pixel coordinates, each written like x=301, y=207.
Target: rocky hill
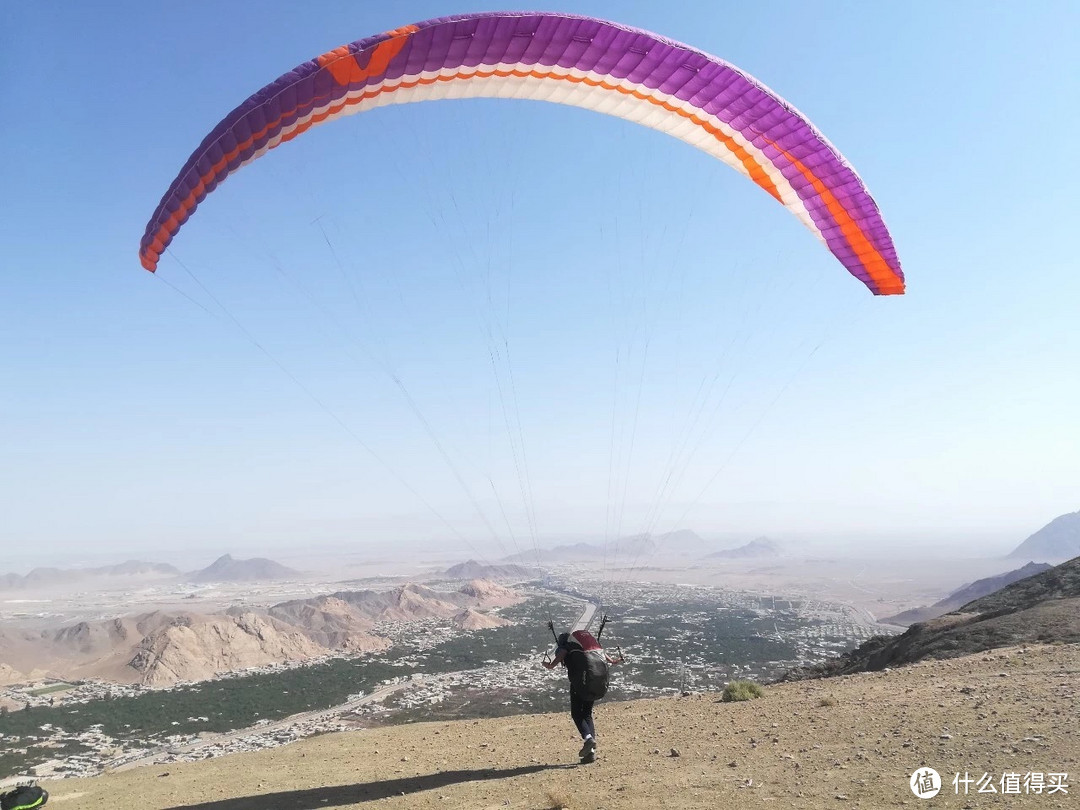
x=405, y=603
x=49, y=578
x=760, y=548
x=10, y=675
x=345, y=619
x=159, y=648
x=256, y=569
x=194, y=648
x=682, y=542
x=1044, y=608
x=1060, y=582
x=570, y=552
x=814, y=745
x=471, y=569
x=471, y=619
x=625, y=549
x=637, y=547
x=489, y=594
x=965, y=594
x=1057, y=540
x=331, y=622
x=411, y=601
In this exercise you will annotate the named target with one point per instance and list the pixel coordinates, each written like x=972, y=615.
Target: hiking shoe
x=588, y=749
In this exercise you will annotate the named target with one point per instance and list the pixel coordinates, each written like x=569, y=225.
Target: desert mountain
x=411, y=601
x=625, y=549
x=78, y=644
x=470, y=619
x=565, y=553
x=489, y=594
x=965, y=594
x=47, y=578
x=345, y=619
x=640, y=545
x=1057, y=540
x=1062, y=582
x=471, y=569
x=402, y=604
x=331, y=622
x=1044, y=608
x=158, y=649
x=194, y=648
x=101, y=638
x=682, y=542
x=257, y=569
x=9, y=674
x=755, y=549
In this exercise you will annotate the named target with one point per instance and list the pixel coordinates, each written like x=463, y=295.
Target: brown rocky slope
x=161, y=648
x=1044, y=608
x=842, y=743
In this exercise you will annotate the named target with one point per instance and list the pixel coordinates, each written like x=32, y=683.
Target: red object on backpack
x=586, y=640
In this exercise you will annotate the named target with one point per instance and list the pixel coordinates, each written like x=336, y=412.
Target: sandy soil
x=847, y=742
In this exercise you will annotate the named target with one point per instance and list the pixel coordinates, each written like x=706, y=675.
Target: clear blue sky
x=137, y=417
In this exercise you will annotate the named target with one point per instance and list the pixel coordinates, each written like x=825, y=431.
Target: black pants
x=581, y=712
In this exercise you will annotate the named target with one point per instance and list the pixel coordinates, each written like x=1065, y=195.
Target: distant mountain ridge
x=761, y=547
x=965, y=594
x=633, y=549
x=471, y=569
x=570, y=552
x=624, y=549
x=1041, y=609
x=43, y=578
x=1059, y=583
x=1057, y=540
x=256, y=569
x=683, y=542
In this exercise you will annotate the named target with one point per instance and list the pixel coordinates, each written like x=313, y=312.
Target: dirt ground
x=846, y=742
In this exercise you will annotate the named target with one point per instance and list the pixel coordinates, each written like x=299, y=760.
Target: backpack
x=24, y=797
x=593, y=683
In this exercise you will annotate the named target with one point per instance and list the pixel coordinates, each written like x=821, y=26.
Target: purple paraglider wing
x=566, y=59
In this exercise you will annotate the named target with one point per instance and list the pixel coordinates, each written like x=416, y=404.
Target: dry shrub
x=741, y=690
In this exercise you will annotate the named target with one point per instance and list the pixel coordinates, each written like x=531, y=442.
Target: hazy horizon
x=192, y=555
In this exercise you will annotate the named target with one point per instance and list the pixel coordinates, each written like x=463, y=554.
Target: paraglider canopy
x=566, y=59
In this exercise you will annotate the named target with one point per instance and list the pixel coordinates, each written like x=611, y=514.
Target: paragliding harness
x=593, y=682
x=23, y=797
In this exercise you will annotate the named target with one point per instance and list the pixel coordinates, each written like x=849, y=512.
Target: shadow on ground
x=345, y=795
